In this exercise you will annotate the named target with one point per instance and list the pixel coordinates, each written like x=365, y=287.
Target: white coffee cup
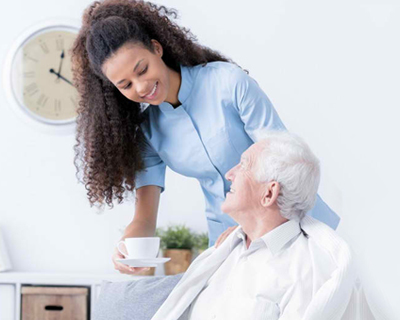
x=140, y=248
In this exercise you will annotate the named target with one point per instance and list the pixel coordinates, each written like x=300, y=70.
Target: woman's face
x=139, y=74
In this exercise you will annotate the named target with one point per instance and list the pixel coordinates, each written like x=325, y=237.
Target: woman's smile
x=152, y=95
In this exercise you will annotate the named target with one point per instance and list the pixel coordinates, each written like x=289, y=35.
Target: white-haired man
x=278, y=264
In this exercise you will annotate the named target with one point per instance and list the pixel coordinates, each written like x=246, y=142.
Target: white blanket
x=328, y=303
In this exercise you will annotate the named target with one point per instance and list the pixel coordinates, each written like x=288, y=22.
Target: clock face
x=41, y=76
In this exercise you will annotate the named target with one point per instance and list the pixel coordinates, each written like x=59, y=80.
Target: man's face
x=246, y=192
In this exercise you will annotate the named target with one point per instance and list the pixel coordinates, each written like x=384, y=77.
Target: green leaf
x=201, y=241
x=176, y=237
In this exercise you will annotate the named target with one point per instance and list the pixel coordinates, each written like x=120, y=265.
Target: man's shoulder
x=317, y=229
x=322, y=238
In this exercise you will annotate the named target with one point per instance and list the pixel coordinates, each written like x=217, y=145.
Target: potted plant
x=177, y=243
x=201, y=242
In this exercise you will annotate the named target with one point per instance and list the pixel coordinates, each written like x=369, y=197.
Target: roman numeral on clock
x=42, y=100
x=27, y=57
x=73, y=100
x=60, y=44
x=44, y=47
x=57, y=106
x=31, y=89
x=29, y=74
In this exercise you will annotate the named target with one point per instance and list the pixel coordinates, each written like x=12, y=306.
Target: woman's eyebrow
x=137, y=64
x=134, y=69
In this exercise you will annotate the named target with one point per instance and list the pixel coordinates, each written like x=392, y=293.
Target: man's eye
x=127, y=86
x=143, y=71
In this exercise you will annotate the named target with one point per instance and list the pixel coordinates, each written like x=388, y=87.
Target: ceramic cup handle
x=119, y=248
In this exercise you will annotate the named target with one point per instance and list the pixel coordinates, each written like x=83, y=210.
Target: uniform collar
x=184, y=90
x=274, y=240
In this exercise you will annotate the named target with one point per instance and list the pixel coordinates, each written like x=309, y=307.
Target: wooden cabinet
x=20, y=301
x=54, y=303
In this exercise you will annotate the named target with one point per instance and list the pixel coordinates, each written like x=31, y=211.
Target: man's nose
x=230, y=175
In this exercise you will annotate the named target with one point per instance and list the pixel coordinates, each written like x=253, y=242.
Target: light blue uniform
x=222, y=110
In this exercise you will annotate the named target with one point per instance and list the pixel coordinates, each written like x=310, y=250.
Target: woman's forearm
x=145, y=219
x=139, y=228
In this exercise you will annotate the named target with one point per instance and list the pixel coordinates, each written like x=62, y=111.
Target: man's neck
x=257, y=226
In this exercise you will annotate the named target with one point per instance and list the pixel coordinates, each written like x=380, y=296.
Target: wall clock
x=38, y=76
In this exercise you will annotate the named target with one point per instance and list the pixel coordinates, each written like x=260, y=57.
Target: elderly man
x=279, y=263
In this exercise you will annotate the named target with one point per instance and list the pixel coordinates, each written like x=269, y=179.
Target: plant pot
x=180, y=260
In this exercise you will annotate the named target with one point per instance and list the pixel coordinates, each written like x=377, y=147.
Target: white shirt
x=273, y=279
x=289, y=276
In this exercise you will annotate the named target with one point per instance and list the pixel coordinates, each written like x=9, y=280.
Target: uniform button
x=214, y=316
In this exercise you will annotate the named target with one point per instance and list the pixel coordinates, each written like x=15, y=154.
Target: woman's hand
x=123, y=268
x=224, y=235
x=143, y=224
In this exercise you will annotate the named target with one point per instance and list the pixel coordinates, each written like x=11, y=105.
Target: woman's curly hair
x=109, y=138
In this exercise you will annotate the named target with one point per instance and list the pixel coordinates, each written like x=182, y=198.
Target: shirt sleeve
x=255, y=109
x=154, y=171
x=259, y=115
x=323, y=213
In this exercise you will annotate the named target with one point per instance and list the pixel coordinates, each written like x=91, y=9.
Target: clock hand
x=66, y=80
x=60, y=76
x=61, y=61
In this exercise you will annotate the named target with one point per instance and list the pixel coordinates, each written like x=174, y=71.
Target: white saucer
x=139, y=263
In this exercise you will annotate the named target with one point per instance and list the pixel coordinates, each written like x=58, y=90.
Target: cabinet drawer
x=54, y=303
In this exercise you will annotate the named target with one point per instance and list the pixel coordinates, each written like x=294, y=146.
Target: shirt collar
x=276, y=239
x=237, y=237
x=184, y=90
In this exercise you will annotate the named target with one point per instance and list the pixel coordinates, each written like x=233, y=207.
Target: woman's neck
x=175, y=80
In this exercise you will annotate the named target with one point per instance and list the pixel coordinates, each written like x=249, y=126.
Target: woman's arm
x=147, y=200
x=143, y=223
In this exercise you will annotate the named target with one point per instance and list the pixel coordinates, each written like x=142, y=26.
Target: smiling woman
x=108, y=135
x=141, y=75
x=204, y=112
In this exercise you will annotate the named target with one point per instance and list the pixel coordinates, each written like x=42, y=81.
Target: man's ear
x=270, y=194
x=157, y=47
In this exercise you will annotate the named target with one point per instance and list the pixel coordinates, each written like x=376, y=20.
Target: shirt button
x=214, y=316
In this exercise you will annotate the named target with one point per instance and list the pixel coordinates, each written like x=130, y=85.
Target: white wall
x=332, y=71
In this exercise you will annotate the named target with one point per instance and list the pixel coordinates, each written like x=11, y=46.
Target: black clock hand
x=61, y=61
x=60, y=76
x=66, y=80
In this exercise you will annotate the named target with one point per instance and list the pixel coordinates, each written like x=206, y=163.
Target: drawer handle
x=54, y=308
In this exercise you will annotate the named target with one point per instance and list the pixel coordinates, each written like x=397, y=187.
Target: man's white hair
x=288, y=160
